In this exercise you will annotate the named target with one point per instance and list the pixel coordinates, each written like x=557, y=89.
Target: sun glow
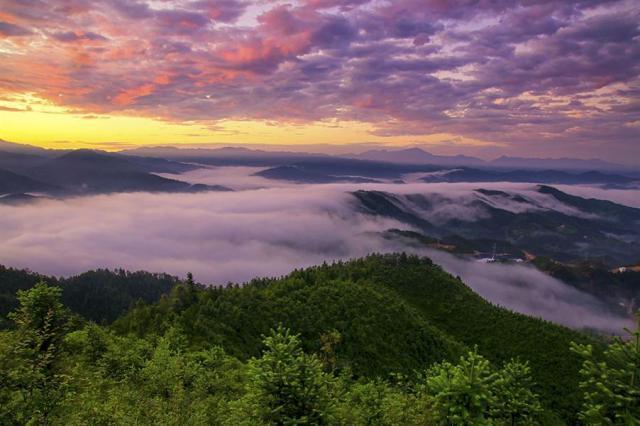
x=27, y=118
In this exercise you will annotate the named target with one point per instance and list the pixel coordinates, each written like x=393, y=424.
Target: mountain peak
x=415, y=150
x=416, y=155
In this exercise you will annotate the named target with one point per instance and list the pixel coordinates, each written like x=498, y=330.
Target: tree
x=41, y=324
x=462, y=393
x=328, y=343
x=287, y=386
x=515, y=402
x=471, y=392
x=611, y=382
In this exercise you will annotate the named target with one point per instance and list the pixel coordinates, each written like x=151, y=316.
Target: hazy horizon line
x=330, y=149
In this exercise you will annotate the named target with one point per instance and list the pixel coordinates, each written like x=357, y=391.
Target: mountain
x=91, y=172
x=27, y=169
x=14, y=183
x=606, y=209
x=617, y=287
x=547, y=222
x=154, y=165
x=301, y=173
x=417, y=156
x=374, y=325
x=409, y=156
x=20, y=162
x=225, y=156
x=396, y=313
x=532, y=176
x=17, y=148
x=334, y=169
x=101, y=295
x=555, y=163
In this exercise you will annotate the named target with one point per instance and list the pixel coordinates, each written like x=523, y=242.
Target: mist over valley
x=264, y=227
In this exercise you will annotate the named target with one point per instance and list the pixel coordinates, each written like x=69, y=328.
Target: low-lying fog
x=264, y=229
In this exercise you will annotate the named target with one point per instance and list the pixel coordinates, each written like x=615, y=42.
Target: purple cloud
x=11, y=30
x=513, y=74
x=71, y=36
x=222, y=10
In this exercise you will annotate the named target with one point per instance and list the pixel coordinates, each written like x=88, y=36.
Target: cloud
x=11, y=109
x=515, y=74
x=236, y=178
x=629, y=198
x=219, y=237
x=259, y=230
x=10, y=30
x=74, y=36
x=526, y=290
x=222, y=10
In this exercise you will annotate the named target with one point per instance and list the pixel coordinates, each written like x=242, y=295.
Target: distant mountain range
x=31, y=170
x=420, y=156
x=226, y=156
x=18, y=148
x=531, y=176
x=83, y=172
x=351, y=170
x=336, y=169
x=414, y=155
x=417, y=156
x=14, y=183
x=409, y=156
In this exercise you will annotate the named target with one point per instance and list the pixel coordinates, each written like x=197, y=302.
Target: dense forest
x=100, y=296
x=387, y=339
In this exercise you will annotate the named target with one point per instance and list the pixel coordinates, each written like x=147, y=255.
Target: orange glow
x=129, y=96
x=36, y=121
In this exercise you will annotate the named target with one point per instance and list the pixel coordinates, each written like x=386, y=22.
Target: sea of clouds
x=267, y=228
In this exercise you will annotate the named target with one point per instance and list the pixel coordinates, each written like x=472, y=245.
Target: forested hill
x=101, y=295
x=396, y=313
x=386, y=339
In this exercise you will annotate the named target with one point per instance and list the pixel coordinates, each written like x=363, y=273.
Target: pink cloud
x=407, y=67
x=127, y=97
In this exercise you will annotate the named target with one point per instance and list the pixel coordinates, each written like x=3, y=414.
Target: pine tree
x=611, y=382
x=462, y=393
x=287, y=386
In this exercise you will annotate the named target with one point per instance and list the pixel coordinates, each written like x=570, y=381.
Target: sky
x=545, y=78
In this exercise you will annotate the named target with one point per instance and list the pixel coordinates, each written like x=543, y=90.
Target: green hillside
x=395, y=312
x=101, y=295
x=387, y=339
x=381, y=332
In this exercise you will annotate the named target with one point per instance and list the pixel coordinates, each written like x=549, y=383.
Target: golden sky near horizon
x=34, y=121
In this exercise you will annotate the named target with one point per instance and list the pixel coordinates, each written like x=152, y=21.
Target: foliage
x=101, y=295
x=380, y=332
x=287, y=386
x=611, y=384
x=380, y=402
x=394, y=313
x=33, y=380
x=515, y=400
x=328, y=343
x=462, y=393
x=349, y=344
